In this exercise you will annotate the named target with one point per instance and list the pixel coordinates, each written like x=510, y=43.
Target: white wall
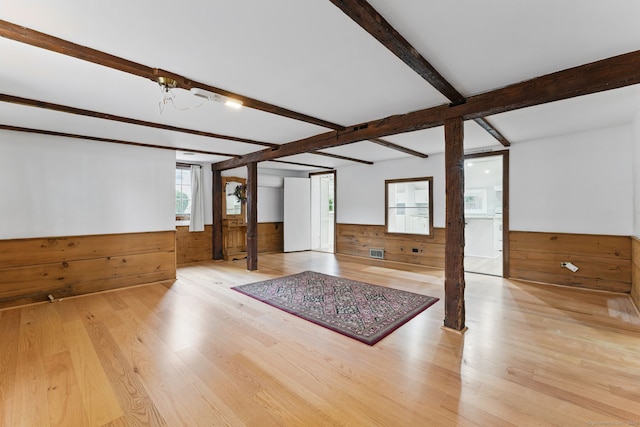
x=581, y=183
x=360, y=188
x=270, y=191
x=53, y=186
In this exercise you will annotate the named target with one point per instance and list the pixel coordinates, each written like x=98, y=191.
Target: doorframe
x=505, y=203
x=335, y=202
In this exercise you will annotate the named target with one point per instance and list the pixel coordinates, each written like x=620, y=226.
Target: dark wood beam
x=88, y=113
x=252, y=216
x=611, y=73
x=337, y=156
x=216, y=238
x=454, y=284
x=370, y=20
x=484, y=124
x=397, y=147
x=35, y=38
x=302, y=164
x=113, y=141
x=375, y=24
x=606, y=74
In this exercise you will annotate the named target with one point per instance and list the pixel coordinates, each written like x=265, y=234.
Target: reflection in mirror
x=409, y=206
x=234, y=204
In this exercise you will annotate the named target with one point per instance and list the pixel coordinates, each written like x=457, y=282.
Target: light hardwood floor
x=197, y=353
x=481, y=265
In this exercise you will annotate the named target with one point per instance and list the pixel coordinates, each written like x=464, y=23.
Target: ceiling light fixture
x=212, y=96
x=233, y=103
x=166, y=84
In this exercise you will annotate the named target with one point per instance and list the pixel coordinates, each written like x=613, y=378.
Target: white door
x=297, y=214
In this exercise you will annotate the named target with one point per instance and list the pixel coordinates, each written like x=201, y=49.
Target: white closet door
x=297, y=214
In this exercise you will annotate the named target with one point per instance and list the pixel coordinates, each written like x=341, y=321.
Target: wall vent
x=376, y=253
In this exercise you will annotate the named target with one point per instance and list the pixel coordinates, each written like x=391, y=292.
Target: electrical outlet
x=415, y=250
x=569, y=266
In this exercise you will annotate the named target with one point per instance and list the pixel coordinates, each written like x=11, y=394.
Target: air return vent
x=376, y=253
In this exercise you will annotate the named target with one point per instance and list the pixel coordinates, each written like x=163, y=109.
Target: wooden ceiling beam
x=54, y=44
x=302, y=164
x=611, y=73
x=113, y=141
x=337, y=156
x=44, y=41
x=386, y=143
x=363, y=14
x=95, y=114
x=484, y=124
x=88, y=113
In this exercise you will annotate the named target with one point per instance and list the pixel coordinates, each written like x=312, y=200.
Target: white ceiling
x=309, y=57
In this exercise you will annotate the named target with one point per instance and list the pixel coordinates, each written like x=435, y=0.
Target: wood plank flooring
x=196, y=353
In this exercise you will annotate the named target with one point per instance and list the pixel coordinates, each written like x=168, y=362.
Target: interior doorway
x=323, y=211
x=486, y=213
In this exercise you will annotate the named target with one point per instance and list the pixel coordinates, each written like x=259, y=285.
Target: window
x=409, y=206
x=183, y=193
x=475, y=201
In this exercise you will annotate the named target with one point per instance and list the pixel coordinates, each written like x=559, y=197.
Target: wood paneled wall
x=357, y=239
x=31, y=269
x=196, y=247
x=635, y=271
x=604, y=262
x=270, y=237
x=193, y=247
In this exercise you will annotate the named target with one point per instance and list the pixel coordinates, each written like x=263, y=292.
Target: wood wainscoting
x=193, y=247
x=270, y=237
x=357, y=239
x=197, y=247
x=31, y=269
x=635, y=272
x=604, y=261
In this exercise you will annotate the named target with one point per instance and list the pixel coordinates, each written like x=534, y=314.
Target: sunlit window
x=183, y=193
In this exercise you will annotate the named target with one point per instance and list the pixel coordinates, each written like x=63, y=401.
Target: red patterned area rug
x=358, y=310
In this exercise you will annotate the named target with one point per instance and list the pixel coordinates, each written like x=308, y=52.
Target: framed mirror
x=233, y=197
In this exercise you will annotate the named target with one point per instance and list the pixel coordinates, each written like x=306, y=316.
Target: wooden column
x=217, y=214
x=252, y=216
x=454, y=315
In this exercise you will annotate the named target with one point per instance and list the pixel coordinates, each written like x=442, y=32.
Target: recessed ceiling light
x=487, y=171
x=469, y=163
